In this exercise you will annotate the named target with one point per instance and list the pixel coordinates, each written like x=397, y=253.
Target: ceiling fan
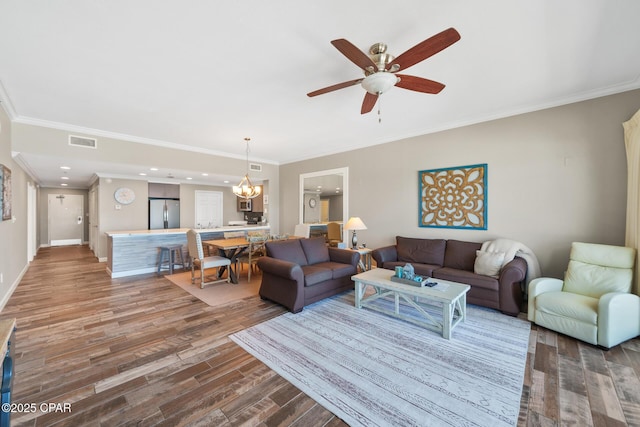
x=380, y=68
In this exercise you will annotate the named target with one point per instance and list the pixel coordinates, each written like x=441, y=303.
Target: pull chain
x=379, y=108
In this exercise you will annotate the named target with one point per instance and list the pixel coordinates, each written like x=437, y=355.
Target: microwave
x=244, y=205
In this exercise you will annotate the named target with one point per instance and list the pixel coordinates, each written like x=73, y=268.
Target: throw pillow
x=488, y=263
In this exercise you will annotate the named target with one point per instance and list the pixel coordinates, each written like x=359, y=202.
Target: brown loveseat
x=298, y=272
x=455, y=260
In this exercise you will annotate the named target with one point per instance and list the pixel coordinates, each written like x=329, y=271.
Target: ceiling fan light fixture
x=380, y=82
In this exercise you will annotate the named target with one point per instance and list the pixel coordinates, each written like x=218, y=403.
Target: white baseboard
x=131, y=272
x=13, y=287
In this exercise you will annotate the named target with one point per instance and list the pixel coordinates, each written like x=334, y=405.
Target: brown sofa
x=298, y=272
x=454, y=260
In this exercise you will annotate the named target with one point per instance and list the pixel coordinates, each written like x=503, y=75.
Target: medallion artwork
x=454, y=197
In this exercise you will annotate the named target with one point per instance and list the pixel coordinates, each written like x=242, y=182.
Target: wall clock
x=312, y=203
x=124, y=195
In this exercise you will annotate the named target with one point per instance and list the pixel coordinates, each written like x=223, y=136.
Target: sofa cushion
x=314, y=274
x=461, y=255
x=338, y=269
x=315, y=250
x=287, y=250
x=467, y=277
x=488, y=263
x=420, y=269
x=595, y=270
x=569, y=305
x=423, y=251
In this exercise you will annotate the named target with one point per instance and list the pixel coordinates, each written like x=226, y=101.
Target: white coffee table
x=451, y=295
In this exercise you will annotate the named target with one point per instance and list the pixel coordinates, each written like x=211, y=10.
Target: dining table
x=229, y=248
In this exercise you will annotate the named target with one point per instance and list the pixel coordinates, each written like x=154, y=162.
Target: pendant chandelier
x=246, y=190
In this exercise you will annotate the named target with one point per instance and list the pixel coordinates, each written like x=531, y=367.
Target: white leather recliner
x=594, y=303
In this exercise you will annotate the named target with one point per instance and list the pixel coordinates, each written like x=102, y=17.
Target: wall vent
x=83, y=141
x=255, y=167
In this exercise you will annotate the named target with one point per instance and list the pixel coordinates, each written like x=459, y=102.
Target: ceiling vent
x=83, y=141
x=255, y=167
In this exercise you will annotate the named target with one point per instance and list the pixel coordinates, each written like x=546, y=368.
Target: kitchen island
x=136, y=252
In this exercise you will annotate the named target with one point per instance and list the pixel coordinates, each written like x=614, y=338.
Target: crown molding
x=131, y=138
x=5, y=101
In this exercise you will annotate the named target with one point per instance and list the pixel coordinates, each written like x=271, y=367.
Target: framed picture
x=453, y=197
x=6, y=192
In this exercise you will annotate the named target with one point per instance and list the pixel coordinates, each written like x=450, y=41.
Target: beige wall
x=134, y=216
x=554, y=176
x=13, y=235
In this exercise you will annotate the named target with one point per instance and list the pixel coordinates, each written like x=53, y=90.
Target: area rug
x=219, y=293
x=370, y=369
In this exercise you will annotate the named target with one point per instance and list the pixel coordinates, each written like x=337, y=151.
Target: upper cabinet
x=257, y=204
x=164, y=191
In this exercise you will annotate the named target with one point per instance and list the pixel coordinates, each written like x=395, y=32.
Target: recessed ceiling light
x=205, y=174
x=64, y=177
x=65, y=168
x=64, y=184
x=189, y=178
x=142, y=174
x=226, y=181
x=153, y=169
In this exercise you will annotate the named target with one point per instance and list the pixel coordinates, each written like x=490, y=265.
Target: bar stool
x=173, y=255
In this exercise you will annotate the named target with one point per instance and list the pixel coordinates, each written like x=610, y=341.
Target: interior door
x=208, y=209
x=66, y=213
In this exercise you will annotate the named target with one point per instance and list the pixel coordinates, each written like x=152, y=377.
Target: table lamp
x=355, y=223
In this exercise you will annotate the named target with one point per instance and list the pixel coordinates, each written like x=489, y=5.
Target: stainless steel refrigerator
x=164, y=213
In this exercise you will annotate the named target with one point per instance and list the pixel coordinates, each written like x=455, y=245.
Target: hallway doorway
x=66, y=223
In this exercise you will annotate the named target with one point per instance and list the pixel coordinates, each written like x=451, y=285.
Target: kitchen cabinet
x=164, y=191
x=257, y=204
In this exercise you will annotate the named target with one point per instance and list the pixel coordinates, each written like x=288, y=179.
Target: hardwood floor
x=141, y=351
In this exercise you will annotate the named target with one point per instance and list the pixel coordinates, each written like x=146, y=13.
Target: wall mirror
x=324, y=196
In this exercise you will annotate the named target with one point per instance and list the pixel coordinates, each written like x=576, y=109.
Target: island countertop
x=136, y=251
x=184, y=230
x=6, y=328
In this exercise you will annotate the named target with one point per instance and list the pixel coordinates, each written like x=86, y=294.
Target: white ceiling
x=206, y=74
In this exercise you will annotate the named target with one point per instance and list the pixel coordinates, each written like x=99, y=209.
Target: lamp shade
x=355, y=223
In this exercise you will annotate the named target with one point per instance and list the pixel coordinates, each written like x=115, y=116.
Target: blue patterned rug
x=370, y=369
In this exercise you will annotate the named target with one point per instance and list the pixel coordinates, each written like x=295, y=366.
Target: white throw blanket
x=511, y=248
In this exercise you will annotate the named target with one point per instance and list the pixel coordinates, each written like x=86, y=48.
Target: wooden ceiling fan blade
x=425, y=49
x=335, y=87
x=368, y=103
x=419, y=84
x=354, y=54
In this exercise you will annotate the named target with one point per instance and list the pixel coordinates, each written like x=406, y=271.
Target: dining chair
x=334, y=234
x=201, y=262
x=255, y=250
